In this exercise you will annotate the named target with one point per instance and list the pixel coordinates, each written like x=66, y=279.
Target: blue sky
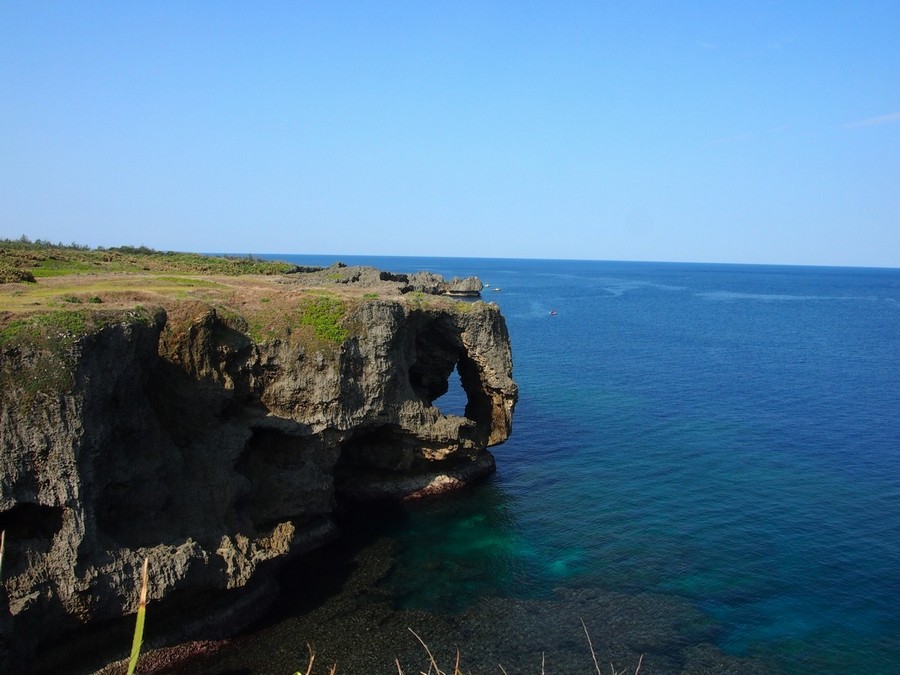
x=760, y=132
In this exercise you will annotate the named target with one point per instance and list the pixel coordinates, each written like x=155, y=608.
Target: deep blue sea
x=726, y=437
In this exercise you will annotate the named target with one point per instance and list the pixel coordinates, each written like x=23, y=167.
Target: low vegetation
x=65, y=277
x=50, y=339
x=26, y=260
x=325, y=315
x=14, y=275
x=314, y=317
x=240, y=289
x=52, y=294
x=60, y=329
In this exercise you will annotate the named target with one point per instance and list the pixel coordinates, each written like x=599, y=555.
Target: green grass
x=52, y=267
x=417, y=299
x=58, y=327
x=325, y=316
x=464, y=306
x=317, y=320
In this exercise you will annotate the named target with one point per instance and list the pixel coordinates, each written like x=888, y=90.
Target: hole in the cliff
x=437, y=373
x=30, y=529
x=441, y=357
x=455, y=400
x=478, y=406
x=436, y=354
x=31, y=521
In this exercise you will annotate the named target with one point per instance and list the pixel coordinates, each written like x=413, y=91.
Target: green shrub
x=12, y=275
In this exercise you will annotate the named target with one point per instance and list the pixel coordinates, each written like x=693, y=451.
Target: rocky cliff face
x=175, y=436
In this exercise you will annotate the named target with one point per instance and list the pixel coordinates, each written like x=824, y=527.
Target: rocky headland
x=213, y=425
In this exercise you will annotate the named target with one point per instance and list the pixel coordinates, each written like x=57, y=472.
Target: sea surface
x=704, y=468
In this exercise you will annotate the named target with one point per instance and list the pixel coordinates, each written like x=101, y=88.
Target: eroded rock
x=470, y=286
x=217, y=457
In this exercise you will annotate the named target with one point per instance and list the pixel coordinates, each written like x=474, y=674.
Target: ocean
x=704, y=470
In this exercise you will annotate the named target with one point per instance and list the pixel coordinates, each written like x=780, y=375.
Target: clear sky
x=764, y=132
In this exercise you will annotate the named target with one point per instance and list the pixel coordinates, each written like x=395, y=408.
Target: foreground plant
x=139, y=624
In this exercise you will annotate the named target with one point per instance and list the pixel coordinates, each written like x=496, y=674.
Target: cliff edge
x=212, y=425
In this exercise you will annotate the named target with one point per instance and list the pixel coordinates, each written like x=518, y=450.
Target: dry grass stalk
x=612, y=668
x=591, y=645
x=433, y=666
x=432, y=662
x=312, y=658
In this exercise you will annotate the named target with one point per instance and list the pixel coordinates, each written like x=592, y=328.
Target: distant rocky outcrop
x=469, y=287
x=370, y=277
x=173, y=435
x=426, y=282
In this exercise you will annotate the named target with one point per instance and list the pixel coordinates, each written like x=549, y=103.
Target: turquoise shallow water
x=725, y=436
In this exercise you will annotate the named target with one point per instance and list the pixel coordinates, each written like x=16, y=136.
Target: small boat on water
x=552, y=312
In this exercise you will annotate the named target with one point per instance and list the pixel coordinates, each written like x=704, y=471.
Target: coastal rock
x=426, y=282
x=370, y=278
x=470, y=286
x=176, y=437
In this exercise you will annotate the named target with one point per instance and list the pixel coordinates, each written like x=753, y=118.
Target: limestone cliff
x=181, y=435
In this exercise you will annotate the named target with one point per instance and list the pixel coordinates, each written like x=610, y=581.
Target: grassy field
x=43, y=259
x=39, y=280
x=267, y=300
